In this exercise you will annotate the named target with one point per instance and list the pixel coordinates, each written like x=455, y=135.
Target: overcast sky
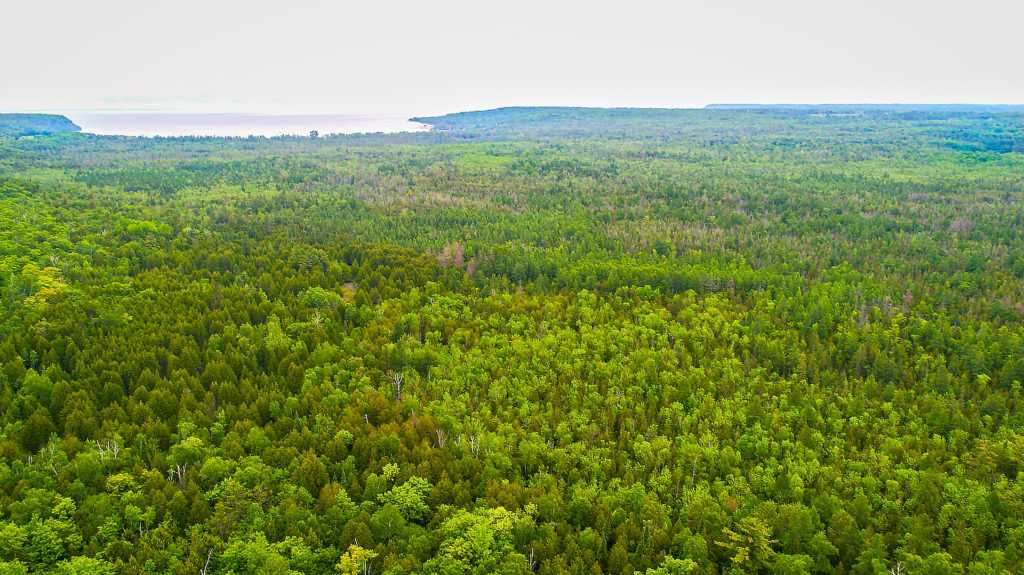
x=436, y=56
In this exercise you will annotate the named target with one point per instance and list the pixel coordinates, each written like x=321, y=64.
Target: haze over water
x=236, y=125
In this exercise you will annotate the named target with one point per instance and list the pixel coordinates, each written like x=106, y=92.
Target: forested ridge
x=34, y=124
x=533, y=340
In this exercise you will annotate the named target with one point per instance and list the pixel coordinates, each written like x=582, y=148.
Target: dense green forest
x=532, y=341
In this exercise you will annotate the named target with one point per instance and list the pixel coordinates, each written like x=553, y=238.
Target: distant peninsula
x=945, y=123
x=937, y=108
x=18, y=125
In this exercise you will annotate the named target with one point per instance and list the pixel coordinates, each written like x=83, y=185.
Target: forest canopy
x=531, y=341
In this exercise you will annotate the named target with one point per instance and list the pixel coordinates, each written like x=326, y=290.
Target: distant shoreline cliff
x=18, y=125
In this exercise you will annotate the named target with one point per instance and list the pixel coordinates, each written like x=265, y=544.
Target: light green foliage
x=189, y=450
x=673, y=566
x=319, y=298
x=409, y=497
x=84, y=566
x=253, y=555
x=474, y=542
x=13, y=568
x=793, y=564
x=750, y=546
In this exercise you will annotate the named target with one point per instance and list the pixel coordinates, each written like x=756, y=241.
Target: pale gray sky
x=437, y=56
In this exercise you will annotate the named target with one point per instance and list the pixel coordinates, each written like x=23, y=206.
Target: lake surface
x=236, y=125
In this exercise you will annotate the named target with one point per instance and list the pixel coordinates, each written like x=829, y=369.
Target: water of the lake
x=236, y=125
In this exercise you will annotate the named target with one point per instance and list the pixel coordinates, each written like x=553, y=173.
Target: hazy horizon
x=406, y=58
x=408, y=116
x=151, y=123
x=182, y=124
